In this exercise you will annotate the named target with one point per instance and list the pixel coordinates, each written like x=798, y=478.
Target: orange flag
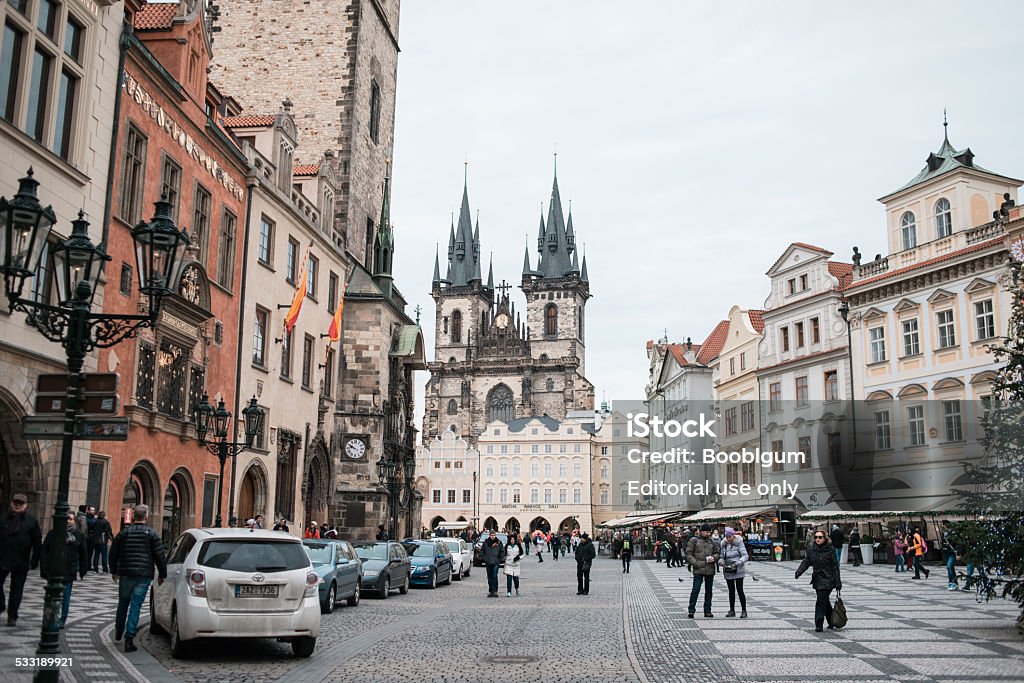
x=300, y=294
x=334, y=331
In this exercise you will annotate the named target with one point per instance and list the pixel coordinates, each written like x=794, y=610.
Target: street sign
x=86, y=429
x=106, y=429
x=99, y=394
x=92, y=383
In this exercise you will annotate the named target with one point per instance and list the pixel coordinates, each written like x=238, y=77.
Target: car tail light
x=312, y=582
x=197, y=583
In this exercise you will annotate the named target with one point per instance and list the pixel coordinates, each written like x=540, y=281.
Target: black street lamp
x=25, y=228
x=204, y=416
x=387, y=476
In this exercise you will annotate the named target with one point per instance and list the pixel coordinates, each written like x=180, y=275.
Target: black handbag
x=730, y=568
x=839, y=612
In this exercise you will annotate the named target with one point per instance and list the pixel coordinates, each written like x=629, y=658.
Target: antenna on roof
x=945, y=125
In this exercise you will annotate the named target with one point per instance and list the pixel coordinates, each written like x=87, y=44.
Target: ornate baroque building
x=491, y=364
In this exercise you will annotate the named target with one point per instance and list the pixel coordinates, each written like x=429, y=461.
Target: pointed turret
x=465, y=267
x=555, y=261
x=583, y=269
x=490, y=274
x=570, y=236
x=540, y=232
x=437, y=267
x=527, y=271
x=384, y=243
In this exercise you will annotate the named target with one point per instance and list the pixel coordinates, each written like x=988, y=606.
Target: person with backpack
x=919, y=546
x=626, y=553
x=825, y=577
x=102, y=534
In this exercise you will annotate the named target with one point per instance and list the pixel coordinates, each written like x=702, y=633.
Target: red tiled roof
x=757, y=320
x=932, y=261
x=712, y=346
x=306, y=170
x=247, y=121
x=842, y=272
x=156, y=16
x=812, y=247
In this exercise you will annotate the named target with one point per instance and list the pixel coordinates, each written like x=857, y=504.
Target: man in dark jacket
x=838, y=539
x=20, y=541
x=854, y=554
x=585, y=554
x=132, y=556
x=102, y=534
x=494, y=553
x=825, y=577
x=76, y=559
x=702, y=555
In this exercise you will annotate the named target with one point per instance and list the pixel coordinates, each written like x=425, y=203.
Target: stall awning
x=453, y=526
x=640, y=520
x=822, y=516
x=725, y=514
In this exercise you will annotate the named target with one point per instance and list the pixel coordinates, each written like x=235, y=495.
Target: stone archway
x=143, y=488
x=512, y=526
x=20, y=461
x=541, y=524
x=252, y=493
x=316, y=485
x=568, y=525
x=491, y=524
x=178, y=512
x=435, y=522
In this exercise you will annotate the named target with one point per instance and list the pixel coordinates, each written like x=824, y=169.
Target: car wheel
x=448, y=581
x=154, y=628
x=457, y=575
x=433, y=579
x=386, y=590
x=327, y=606
x=303, y=647
x=468, y=570
x=354, y=600
x=180, y=649
x=404, y=588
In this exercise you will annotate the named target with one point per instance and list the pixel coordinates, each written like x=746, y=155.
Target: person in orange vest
x=919, y=546
x=312, y=531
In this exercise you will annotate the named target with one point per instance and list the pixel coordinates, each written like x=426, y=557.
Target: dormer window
x=908, y=230
x=284, y=166
x=943, y=219
x=327, y=210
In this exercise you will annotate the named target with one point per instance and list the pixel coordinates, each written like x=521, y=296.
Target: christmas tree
x=996, y=539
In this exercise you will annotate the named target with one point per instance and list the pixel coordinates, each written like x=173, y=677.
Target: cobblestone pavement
x=900, y=630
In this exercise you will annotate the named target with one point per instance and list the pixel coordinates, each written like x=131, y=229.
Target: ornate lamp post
x=24, y=231
x=205, y=417
x=387, y=475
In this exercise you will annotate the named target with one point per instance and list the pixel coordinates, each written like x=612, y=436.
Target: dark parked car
x=431, y=563
x=339, y=569
x=385, y=566
x=478, y=548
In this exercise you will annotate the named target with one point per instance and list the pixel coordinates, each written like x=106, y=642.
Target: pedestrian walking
x=585, y=555
x=493, y=553
x=382, y=535
x=313, y=531
x=102, y=534
x=702, y=554
x=949, y=556
x=626, y=553
x=539, y=545
x=76, y=559
x=526, y=543
x=282, y=525
x=855, y=557
x=734, y=559
x=90, y=525
x=899, y=549
x=918, y=548
x=838, y=539
x=825, y=577
x=20, y=541
x=513, y=554
x=133, y=554
x=555, y=542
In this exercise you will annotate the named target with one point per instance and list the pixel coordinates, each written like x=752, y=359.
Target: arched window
x=551, y=320
x=453, y=407
x=550, y=384
x=457, y=327
x=908, y=228
x=500, y=404
x=943, y=218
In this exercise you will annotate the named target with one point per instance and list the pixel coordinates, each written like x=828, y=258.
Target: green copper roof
x=946, y=159
x=410, y=346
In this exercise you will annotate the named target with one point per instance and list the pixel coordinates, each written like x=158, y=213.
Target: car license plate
x=248, y=591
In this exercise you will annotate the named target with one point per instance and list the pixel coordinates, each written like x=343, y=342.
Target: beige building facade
x=922, y=320
x=447, y=477
x=58, y=123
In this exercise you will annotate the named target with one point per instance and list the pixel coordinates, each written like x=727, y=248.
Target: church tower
x=490, y=362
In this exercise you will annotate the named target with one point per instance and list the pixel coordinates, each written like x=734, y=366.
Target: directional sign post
x=99, y=394
x=86, y=428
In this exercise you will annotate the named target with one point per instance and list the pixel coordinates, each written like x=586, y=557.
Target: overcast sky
x=695, y=140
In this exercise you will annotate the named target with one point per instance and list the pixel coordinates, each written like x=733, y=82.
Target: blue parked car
x=339, y=569
x=431, y=563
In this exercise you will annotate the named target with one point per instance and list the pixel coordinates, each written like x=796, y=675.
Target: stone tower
x=490, y=363
x=336, y=62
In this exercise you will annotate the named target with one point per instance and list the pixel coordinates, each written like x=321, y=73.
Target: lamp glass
x=24, y=228
x=253, y=415
x=202, y=413
x=221, y=417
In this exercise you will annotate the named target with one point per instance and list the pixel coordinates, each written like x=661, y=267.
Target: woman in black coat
x=821, y=558
x=76, y=560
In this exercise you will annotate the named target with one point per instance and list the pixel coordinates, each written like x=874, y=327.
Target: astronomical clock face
x=501, y=321
x=355, y=449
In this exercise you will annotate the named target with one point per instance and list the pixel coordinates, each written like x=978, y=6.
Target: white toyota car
x=237, y=583
x=462, y=556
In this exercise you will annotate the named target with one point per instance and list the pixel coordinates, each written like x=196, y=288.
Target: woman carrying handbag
x=821, y=559
x=734, y=568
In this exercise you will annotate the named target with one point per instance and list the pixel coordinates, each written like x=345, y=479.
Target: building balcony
x=929, y=250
